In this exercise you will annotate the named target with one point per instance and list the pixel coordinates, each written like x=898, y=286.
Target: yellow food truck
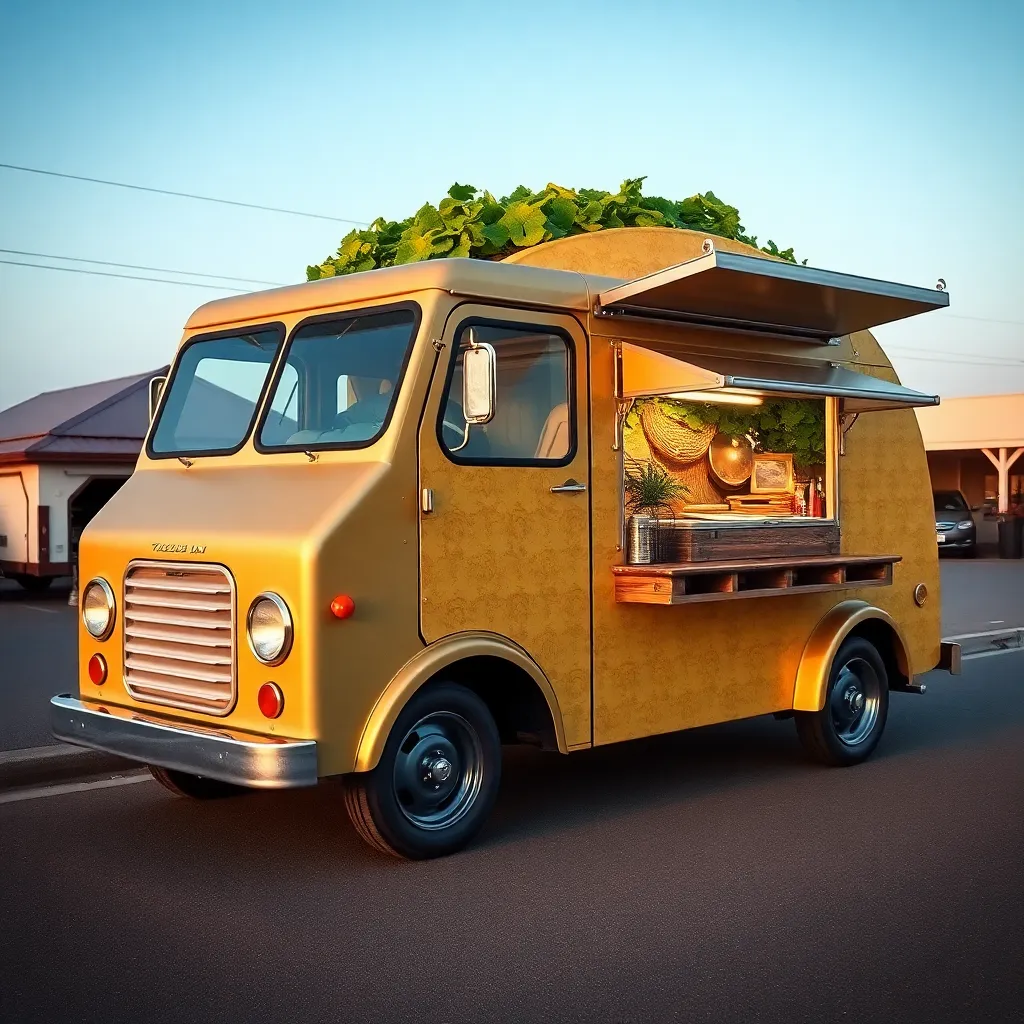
x=620, y=484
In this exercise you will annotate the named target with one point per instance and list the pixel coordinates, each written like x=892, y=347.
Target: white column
x=1003, y=463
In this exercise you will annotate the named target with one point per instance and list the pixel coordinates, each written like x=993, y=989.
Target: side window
x=533, y=418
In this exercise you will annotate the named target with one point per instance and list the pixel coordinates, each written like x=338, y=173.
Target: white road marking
x=39, y=792
x=997, y=622
x=40, y=608
x=992, y=654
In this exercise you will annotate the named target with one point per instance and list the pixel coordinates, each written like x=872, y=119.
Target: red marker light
x=342, y=606
x=97, y=669
x=271, y=700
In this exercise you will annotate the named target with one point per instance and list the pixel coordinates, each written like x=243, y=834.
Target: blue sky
x=880, y=139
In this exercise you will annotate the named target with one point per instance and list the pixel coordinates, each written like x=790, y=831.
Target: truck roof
x=535, y=286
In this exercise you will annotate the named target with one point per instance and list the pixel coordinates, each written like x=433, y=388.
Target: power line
x=126, y=277
x=916, y=353
x=983, y=319
x=135, y=266
x=960, y=362
x=183, y=195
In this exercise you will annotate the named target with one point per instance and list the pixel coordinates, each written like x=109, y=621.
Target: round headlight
x=270, y=629
x=98, y=609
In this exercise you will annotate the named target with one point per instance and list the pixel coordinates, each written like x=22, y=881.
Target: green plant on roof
x=471, y=222
x=650, y=489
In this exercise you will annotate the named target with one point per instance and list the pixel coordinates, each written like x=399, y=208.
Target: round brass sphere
x=731, y=457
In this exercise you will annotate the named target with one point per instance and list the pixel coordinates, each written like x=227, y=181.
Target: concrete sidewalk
x=61, y=762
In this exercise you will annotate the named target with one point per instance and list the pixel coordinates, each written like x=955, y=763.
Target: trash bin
x=1010, y=528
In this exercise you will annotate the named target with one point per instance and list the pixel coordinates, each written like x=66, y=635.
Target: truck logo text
x=180, y=549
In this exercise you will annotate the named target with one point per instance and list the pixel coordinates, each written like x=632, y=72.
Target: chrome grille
x=179, y=635
x=945, y=526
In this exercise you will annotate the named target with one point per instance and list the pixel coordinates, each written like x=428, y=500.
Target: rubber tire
x=194, y=787
x=370, y=798
x=33, y=584
x=815, y=728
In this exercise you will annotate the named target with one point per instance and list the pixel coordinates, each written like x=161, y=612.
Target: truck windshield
x=337, y=385
x=213, y=394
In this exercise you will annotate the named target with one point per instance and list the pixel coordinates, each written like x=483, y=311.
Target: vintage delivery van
x=620, y=484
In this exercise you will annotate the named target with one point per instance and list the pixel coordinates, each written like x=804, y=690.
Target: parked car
x=954, y=524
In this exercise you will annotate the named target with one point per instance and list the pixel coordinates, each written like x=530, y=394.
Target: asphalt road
x=38, y=654
x=38, y=638
x=710, y=876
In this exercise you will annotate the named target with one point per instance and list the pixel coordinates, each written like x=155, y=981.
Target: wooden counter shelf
x=689, y=582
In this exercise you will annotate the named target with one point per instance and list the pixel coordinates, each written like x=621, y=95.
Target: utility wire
x=135, y=266
x=959, y=362
x=126, y=277
x=183, y=195
x=983, y=319
x=916, y=353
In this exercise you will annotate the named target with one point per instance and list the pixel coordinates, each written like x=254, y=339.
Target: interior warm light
x=97, y=669
x=723, y=397
x=342, y=606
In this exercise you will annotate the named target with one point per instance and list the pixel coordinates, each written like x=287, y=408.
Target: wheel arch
x=848, y=618
x=518, y=687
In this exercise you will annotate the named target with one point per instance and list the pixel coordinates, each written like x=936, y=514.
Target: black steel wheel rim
x=855, y=701
x=439, y=770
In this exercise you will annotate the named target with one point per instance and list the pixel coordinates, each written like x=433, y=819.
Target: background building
x=63, y=454
x=975, y=445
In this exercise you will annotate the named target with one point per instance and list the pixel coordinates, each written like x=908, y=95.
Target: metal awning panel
x=859, y=391
x=746, y=293
x=646, y=372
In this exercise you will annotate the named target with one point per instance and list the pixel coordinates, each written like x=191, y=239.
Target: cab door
x=505, y=516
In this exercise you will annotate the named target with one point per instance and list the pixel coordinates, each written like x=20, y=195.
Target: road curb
x=57, y=762
x=994, y=640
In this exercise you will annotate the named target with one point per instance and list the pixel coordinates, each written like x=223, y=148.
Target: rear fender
x=825, y=639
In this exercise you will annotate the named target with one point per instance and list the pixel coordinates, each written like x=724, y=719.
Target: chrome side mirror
x=156, y=387
x=479, y=381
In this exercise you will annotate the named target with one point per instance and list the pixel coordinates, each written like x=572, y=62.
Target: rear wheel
x=33, y=584
x=196, y=787
x=437, y=778
x=847, y=729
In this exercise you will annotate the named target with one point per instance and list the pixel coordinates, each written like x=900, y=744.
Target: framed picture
x=772, y=474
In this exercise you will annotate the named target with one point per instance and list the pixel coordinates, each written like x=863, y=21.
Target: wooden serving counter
x=690, y=582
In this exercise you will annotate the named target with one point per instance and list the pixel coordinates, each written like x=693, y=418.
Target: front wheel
x=847, y=729
x=437, y=778
x=196, y=787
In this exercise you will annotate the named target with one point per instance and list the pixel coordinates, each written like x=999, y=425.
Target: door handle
x=569, y=487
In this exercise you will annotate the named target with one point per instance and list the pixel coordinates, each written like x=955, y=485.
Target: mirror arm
x=465, y=439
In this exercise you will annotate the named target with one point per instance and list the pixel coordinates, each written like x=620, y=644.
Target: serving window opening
x=729, y=458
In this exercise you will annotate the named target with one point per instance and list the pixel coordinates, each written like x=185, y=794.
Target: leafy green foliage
x=650, y=489
x=468, y=222
x=795, y=425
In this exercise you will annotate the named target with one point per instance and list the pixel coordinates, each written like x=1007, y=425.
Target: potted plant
x=650, y=491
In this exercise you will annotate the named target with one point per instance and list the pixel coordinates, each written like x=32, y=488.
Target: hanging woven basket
x=671, y=440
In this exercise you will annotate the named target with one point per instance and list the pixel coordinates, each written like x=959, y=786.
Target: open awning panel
x=646, y=372
x=747, y=293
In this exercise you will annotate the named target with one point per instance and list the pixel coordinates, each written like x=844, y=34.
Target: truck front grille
x=179, y=635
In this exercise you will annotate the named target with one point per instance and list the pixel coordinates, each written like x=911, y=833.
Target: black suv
x=954, y=524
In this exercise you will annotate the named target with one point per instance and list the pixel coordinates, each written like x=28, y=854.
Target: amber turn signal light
x=97, y=669
x=342, y=606
x=271, y=700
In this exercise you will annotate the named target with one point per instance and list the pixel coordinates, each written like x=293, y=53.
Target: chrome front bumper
x=260, y=763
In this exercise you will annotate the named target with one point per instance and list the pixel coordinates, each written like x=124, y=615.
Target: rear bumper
x=257, y=762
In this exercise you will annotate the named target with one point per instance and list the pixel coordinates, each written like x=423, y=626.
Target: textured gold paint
x=658, y=669
x=501, y=553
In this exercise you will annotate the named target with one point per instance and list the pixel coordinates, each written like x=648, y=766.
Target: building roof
x=103, y=421
x=987, y=421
